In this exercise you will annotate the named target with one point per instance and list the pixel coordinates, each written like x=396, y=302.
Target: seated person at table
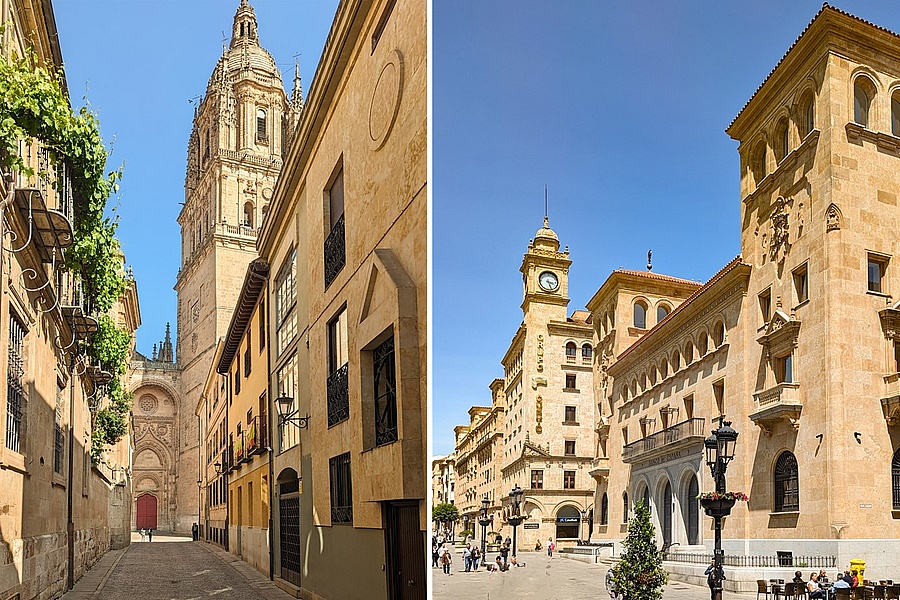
x=798, y=578
x=813, y=586
x=840, y=582
x=822, y=577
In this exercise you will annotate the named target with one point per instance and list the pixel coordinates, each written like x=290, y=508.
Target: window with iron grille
x=895, y=477
x=568, y=480
x=338, y=369
x=335, y=255
x=385, y=393
x=15, y=390
x=341, y=489
x=787, y=489
x=537, y=479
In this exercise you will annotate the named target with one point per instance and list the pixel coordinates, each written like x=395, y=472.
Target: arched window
x=693, y=511
x=895, y=114
x=758, y=162
x=807, y=121
x=662, y=311
x=863, y=94
x=703, y=344
x=640, y=315
x=587, y=352
x=625, y=507
x=719, y=334
x=676, y=362
x=895, y=479
x=782, y=140
x=248, y=215
x=787, y=489
x=570, y=351
x=688, y=353
x=604, y=509
x=664, y=368
x=261, y=126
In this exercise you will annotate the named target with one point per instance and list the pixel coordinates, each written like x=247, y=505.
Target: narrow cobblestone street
x=543, y=578
x=173, y=568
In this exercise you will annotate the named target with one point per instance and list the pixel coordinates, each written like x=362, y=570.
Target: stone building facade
x=347, y=243
x=794, y=340
x=61, y=512
x=241, y=130
x=537, y=433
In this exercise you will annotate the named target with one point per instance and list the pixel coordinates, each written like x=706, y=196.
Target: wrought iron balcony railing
x=335, y=252
x=338, y=396
x=680, y=434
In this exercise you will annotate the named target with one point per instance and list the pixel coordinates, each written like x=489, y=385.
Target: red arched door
x=146, y=511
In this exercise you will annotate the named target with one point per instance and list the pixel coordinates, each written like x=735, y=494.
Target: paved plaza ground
x=173, y=568
x=544, y=578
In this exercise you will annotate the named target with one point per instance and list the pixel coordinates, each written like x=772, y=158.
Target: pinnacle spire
x=297, y=93
x=243, y=31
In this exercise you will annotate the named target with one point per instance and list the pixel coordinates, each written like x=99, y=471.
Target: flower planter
x=718, y=507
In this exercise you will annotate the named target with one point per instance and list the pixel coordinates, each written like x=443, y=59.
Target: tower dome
x=546, y=237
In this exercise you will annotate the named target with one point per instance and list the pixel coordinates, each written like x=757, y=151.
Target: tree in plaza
x=445, y=513
x=639, y=574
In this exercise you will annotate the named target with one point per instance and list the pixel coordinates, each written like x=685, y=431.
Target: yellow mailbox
x=858, y=569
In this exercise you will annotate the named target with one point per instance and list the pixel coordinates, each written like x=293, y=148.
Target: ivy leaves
x=33, y=105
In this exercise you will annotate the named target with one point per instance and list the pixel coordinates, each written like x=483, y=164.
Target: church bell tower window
x=261, y=137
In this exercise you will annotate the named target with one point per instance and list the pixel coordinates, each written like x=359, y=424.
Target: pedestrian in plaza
x=550, y=547
x=504, y=554
x=143, y=534
x=195, y=532
x=710, y=573
x=467, y=557
x=150, y=534
x=434, y=554
x=476, y=556
x=446, y=560
x=610, y=586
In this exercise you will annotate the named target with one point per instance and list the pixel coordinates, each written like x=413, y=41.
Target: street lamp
x=580, y=525
x=288, y=414
x=719, y=452
x=484, y=522
x=515, y=498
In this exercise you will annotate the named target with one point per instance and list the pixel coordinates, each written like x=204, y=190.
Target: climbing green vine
x=33, y=105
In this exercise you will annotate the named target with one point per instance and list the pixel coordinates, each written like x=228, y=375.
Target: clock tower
x=545, y=275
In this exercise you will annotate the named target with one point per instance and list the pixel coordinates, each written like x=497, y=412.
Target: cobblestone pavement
x=173, y=568
x=543, y=578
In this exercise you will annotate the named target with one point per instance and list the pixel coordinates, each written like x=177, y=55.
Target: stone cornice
x=571, y=329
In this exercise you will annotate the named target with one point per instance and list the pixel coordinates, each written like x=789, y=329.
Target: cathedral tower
x=239, y=137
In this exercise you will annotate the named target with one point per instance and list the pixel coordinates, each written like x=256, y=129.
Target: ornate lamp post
x=484, y=522
x=581, y=525
x=515, y=519
x=719, y=452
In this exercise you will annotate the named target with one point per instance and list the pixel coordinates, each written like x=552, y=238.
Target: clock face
x=548, y=281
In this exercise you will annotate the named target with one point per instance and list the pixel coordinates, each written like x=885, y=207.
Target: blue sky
x=138, y=63
x=620, y=108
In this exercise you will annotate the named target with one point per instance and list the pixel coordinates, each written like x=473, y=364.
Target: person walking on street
x=195, y=532
x=434, y=554
x=150, y=534
x=446, y=559
x=476, y=556
x=504, y=554
x=550, y=547
x=710, y=573
x=467, y=557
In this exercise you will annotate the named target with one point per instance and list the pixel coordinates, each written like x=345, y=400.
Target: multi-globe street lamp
x=719, y=452
x=484, y=521
x=515, y=519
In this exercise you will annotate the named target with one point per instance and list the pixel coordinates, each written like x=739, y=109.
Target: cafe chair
x=762, y=587
x=841, y=593
x=880, y=592
x=862, y=593
x=892, y=592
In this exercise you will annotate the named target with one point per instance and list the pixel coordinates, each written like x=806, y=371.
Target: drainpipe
x=271, y=441
x=70, y=526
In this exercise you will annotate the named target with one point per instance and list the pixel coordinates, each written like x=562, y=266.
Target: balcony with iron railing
x=335, y=252
x=239, y=453
x=255, y=437
x=677, y=437
x=337, y=388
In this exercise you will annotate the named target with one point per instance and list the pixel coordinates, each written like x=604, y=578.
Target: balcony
x=890, y=401
x=677, y=437
x=778, y=403
x=338, y=396
x=75, y=308
x=239, y=451
x=49, y=230
x=255, y=437
x=600, y=469
x=335, y=252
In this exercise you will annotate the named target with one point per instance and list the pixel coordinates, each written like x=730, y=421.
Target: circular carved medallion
x=386, y=99
x=148, y=404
